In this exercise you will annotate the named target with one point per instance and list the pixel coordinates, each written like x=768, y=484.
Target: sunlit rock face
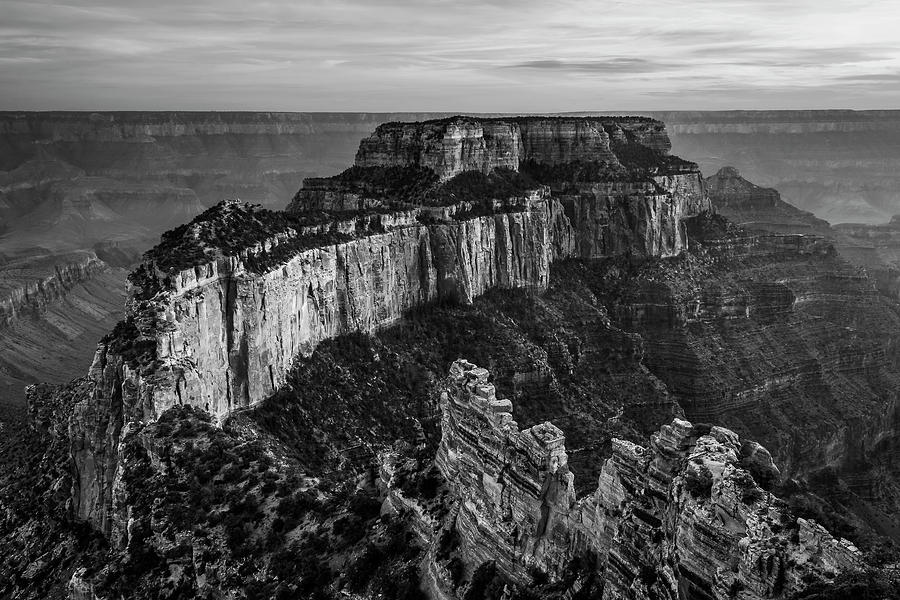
x=448, y=149
x=76, y=183
x=685, y=517
x=228, y=329
x=452, y=146
x=222, y=307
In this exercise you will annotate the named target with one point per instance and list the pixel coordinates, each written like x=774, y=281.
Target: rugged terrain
x=110, y=183
x=88, y=187
x=282, y=412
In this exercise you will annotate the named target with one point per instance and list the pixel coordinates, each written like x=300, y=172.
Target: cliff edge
x=222, y=305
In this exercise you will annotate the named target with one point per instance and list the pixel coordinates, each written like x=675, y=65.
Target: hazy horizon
x=437, y=56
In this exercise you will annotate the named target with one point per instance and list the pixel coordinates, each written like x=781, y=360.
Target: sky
x=449, y=55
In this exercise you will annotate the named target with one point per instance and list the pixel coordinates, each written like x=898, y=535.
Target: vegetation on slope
x=238, y=516
x=41, y=543
x=282, y=501
x=420, y=186
x=228, y=229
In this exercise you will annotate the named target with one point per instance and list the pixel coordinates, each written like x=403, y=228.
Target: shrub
x=698, y=481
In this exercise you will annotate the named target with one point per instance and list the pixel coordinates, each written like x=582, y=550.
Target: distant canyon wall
x=844, y=166
x=50, y=323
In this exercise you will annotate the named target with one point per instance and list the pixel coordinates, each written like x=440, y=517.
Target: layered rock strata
x=25, y=288
x=223, y=335
x=839, y=164
x=52, y=310
x=683, y=518
x=759, y=208
x=452, y=146
x=219, y=327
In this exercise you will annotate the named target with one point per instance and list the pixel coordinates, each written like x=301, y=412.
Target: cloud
x=873, y=77
x=443, y=55
x=608, y=66
x=786, y=56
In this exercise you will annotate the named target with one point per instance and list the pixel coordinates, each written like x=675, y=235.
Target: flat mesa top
x=525, y=119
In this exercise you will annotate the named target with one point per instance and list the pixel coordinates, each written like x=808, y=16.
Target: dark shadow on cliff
x=553, y=354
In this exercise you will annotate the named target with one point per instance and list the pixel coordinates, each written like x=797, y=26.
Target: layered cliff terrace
x=404, y=186
x=262, y=239
x=691, y=511
x=421, y=163
x=438, y=210
x=224, y=305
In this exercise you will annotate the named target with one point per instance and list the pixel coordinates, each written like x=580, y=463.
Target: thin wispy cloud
x=464, y=55
x=611, y=65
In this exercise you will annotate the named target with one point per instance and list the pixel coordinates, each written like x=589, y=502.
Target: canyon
x=109, y=183
x=84, y=186
x=699, y=408
x=222, y=334
x=840, y=165
x=664, y=519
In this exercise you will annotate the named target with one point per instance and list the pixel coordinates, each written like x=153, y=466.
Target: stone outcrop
x=223, y=335
x=685, y=517
x=452, y=146
x=728, y=189
x=636, y=218
x=219, y=328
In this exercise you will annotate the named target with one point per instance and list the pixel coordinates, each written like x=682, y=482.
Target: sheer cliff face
x=110, y=183
x=683, y=518
x=222, y=334
x=450, y=147
x=229, y=330
x=637, y=218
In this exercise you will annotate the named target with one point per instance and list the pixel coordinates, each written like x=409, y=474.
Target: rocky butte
x=265, y=419
x=225, y=303
x=683, y=518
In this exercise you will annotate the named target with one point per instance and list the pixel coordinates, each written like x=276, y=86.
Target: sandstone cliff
x=683, y=518
x=771, y=334
x=452, y=146
x=225, y=303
